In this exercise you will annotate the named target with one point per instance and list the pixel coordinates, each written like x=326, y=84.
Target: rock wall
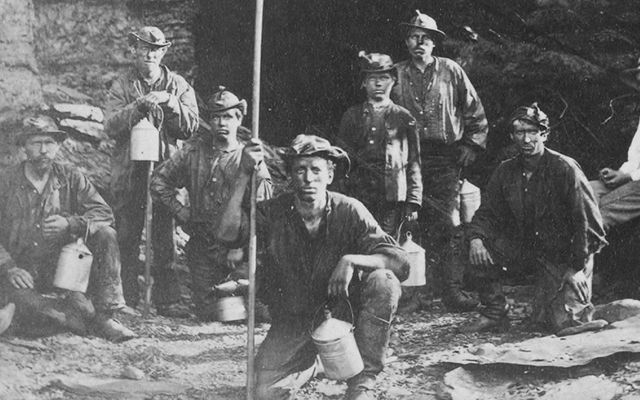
x=19, y=85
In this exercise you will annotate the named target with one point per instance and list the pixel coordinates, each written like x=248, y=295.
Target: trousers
x=618, y=205
x=286, y=359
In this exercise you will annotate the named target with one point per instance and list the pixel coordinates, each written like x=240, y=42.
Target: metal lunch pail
x=74, y=267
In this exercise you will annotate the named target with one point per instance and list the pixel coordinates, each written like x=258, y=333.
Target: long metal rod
x=253, y=243
x=148, y=225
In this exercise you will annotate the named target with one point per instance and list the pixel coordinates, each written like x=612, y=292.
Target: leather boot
x=107, y=327
x=490, y=320
x=360, y=387
x=458, y=300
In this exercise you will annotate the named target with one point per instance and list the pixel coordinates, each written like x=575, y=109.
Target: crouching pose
x=317, y=245
x=44, y=206
x=538, y=217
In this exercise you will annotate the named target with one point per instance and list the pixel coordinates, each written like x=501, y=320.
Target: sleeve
x=588, y=235
x=414, y=175
x=488, y=217
x=171, y=175
x=90, y=206
x=476, y=127
x=632, y=165
x=181, y=112
x=121, y=112
x=371, y=239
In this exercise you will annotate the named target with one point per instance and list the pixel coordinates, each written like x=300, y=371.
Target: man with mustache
x=148, y=90
x=453, y=128
x=539, y=218
x=45, y=205
x=208, y=167
x=382, y=141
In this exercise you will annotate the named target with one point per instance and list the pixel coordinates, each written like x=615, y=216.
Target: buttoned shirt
x=554, y=214
x=209, y=174
x=294, y=274
x=387, y=148
x=23, y=209
x=447, y=108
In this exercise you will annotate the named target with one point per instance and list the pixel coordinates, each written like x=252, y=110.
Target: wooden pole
x=253, y=243
x=148, y=217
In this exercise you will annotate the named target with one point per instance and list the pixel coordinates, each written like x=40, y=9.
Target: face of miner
x=528, y=137
x=378, y=85
x=225, y=124
x=310, y=177
x=41, y=150
x=420, y=43
x=147, y=57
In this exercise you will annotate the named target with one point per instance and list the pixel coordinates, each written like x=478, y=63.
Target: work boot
x=6, y=316
x=360, y=387
x=107, y=327
x=458, y=300
x=175, y=310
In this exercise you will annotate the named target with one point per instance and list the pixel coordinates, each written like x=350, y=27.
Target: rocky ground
x=183, y=359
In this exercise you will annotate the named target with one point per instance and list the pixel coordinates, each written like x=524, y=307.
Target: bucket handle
x=399, y=231
x=324, y=305
x=86, y=231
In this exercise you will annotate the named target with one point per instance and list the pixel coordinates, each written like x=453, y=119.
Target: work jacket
x=450, y=111
x=400, y=155
x=22, y=210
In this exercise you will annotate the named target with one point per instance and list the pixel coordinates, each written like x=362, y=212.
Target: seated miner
x=44, y=206
x=538, y=218
x=382, y=142
x=317, y=246
x=618, y=190
x=208, y=167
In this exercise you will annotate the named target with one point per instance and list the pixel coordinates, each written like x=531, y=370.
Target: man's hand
x=20, y=278
x=54, y=225
x=613, y=178
x=410, y=212
x=341, y=277
x=252, y=156
x=467, y=156
x=153, y=99
x=478, y=254
x=579, y=283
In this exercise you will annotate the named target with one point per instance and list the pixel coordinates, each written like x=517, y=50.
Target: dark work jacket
x=402, y=179
x=295, y=271
x=567, y=226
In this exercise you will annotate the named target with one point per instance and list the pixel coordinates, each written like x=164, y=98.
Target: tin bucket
x=417, y=262
x=74, y=267
x=230, y=309
x=337, y=347
x=470, y=197
x=144, y=142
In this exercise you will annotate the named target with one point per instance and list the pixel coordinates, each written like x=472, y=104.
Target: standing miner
x=149, y=90
x=382, y=142
x=208, y=167
x=453, y=128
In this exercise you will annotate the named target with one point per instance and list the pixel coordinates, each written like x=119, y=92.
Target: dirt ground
x=208, y=361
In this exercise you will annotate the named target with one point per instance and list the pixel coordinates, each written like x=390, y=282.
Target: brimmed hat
x=40, y=125
x=312, y=145
x=423, y=21
x=224, y=100
x=375, y=62
x=149, y=35
x=531, y=114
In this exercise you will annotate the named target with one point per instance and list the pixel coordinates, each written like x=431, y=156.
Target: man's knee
x=105, y=236
x=382, y=285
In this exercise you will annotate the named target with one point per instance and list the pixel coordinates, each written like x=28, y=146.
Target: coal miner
x=453, y=129
x=382, y=142
x=618, y=190
x=44, y=206
x=208, y=167
x=149, y=90
x=538, y=218
x=317, y=245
